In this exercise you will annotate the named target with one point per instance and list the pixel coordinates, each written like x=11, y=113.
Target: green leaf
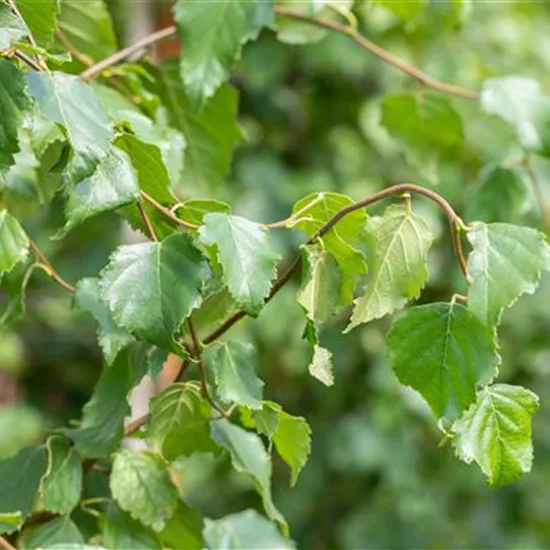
x=87, y=25
x=321, y=282
x=19, y=480
x=14, y=243
x=41, y=18
x=231, y=366
x=70, y=102
x=425, y=125
x=179, y=422
x=12, y=29
x=152, y=173
x=444, y=352
x=313, y=212
x=58, y=531
x=247, y=257
x=246, y=530
x=111, y=337
x=102, y=426
x=405, y=10
x=112, y=184
x=321, y=366
x=141, y=485
x=60, y=488
x=291, y=435
x=520, y=102
x=397, y=265
x=121, y=532
x=183, y=529
x=506, y=262
x=248, y=456
x=213, y=34
x=502, y=195
x=14, y=103
x=151, y=288
x=194, y=210
x=496, y=432
x=211, y=135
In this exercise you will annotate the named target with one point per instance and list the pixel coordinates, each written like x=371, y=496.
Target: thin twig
x=197, y=355
x=147, y=222
x=135, y=425
x=4, y=543
x=455, y=221
x=68, y=45
x=121, y=55
x=48, y=268
x=30, y=62
x=384, y=55
x=167, y=212
x=14, y=9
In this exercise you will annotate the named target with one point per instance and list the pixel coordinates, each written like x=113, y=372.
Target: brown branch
x=30, y=62
x=48, y=268
x=382, y=54
x=455, y=222
x=4, y=543
x=121, y=55
x=168, y=213
x=147, y=222
x=135, y=425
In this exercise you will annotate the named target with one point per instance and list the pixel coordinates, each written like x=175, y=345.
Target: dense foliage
x=395, y=301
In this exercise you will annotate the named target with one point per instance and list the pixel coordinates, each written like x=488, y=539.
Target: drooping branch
x=48, y=268
x=455, y=222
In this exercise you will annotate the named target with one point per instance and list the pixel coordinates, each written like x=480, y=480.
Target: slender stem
x=147, y=222
x=121, y=55
x=168, y=213
x=30, y=62
x=384, y=55
x=197, y=355
x=4, y=543
x=135, y=425
x=455, y=222
x=68, y=45
x=48, y=268
x=14, y=9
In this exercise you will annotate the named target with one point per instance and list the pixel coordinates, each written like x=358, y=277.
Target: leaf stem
x=168, y=213
x=121, y=55
x=26, y=59
x=382, y=54
x=68, y=45
x=456, y=223
x=135, y=425
x=48, y=268
x=147, y=222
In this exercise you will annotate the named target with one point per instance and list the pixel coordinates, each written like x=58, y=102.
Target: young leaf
x=88, y=27
x=213, y=34
x=425, y=125
x=141, y=485
x=179, y=422
x=111, y=337
x=41, y=18
x=183, y=529
x=397, y=268
x=147, y=160
x=444, y=352
x=506, y=262
x=194, y=210
x=496, y=432
x=58, y=531
x=291, y=435
x=70, y=102
x=112, y=184
x=248, y=456
x=102, y=425
x=12, y=29
x=14, y=103
x=19, y=480
x=211, y=135
x=246, y=530
x=231, y=365
x=150, y=288
x=520, y=102
x=321, y=366
x=14, y=243
x=121, y=532
x=247, y=257
x=313, y=211
x=61, y=486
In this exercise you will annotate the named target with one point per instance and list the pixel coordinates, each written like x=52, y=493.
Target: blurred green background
x=377, y=477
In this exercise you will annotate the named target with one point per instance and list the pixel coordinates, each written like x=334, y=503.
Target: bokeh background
x=377, y=476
